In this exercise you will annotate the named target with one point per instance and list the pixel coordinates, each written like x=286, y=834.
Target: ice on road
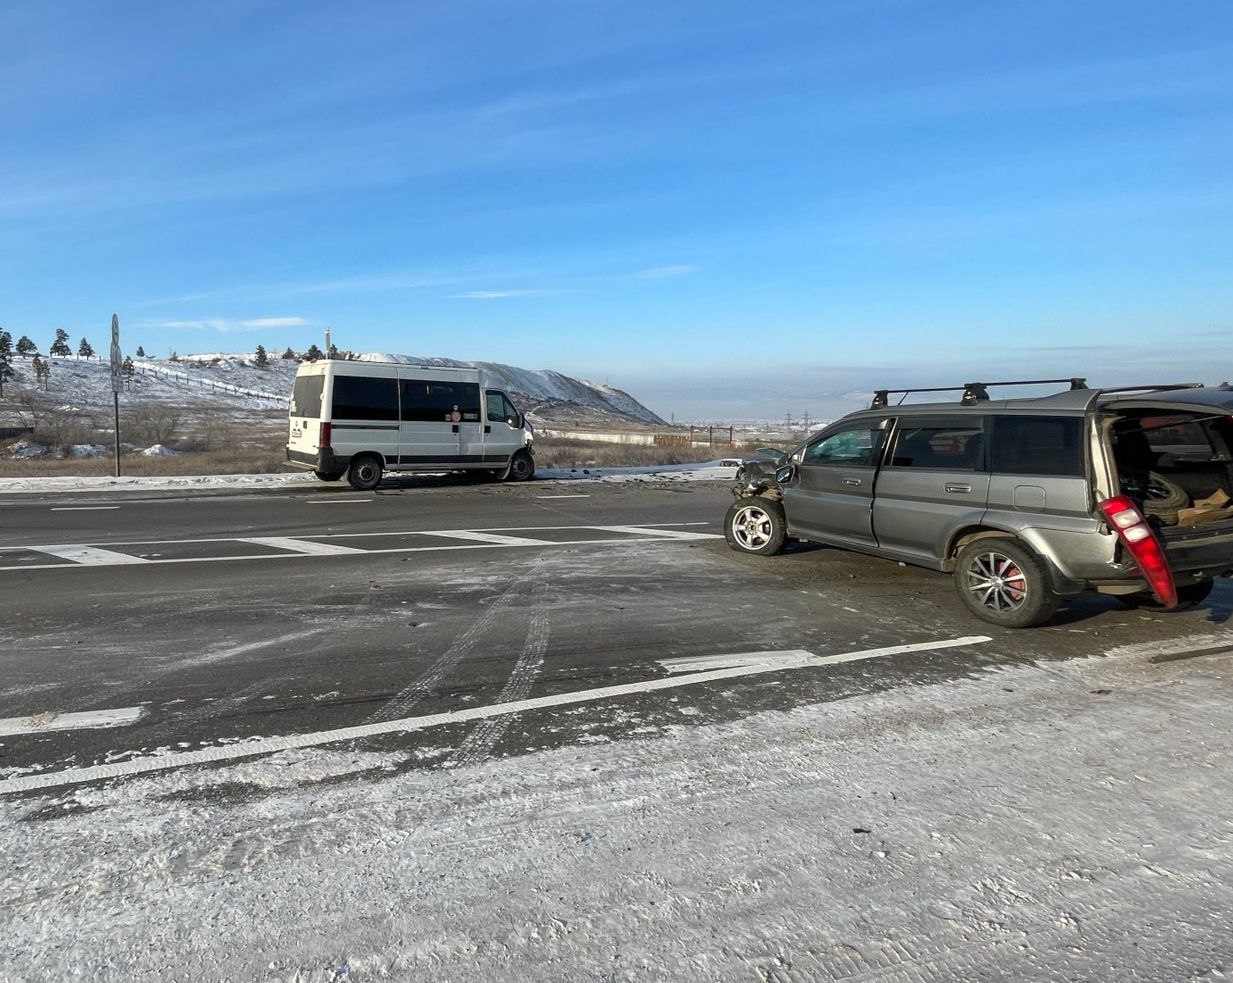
x=1071, y=821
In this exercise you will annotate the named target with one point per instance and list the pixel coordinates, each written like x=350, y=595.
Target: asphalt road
x=211, y=620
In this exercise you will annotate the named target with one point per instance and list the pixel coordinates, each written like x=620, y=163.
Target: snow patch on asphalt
x=713, y=471
x=1068, y=822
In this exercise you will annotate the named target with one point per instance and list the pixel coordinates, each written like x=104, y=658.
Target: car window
x=853, y=446
x=1039, y=445
x=939, y=447
x=500, y=409
x=434, y=401
x=365, y=398
x=306, y=395
x=1165, y=434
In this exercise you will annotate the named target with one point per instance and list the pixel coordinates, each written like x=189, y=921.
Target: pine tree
x=289, y=354
x=60, y=345
x=25, y=346
x=141, y=352
x=313, y=353
x=333, y=351
x=127, y=367
x=262, y=361
x=84, y=350
x=6, y=358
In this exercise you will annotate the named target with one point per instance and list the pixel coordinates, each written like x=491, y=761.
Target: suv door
x=833, y=494
x=933, y=481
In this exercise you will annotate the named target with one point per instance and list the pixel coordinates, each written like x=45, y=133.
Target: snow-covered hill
x=235, y=381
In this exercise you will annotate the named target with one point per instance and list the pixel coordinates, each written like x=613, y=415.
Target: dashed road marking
x=307, y=547
x=337, y=501
x=84, y=508
x=496, y=539
x=91, y=556
x=665, y=533
x=81, y=555
x=728, y=667
x=562, y=496
x=38, y=723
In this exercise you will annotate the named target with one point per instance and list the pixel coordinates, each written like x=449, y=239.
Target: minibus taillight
x=323, y=439
x=1134, y=532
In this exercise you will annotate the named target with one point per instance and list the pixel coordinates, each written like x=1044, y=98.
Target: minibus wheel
x=365, y=472
x=521, y=467
x=329, y=475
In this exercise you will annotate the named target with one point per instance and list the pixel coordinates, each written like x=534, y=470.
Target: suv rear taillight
x=323, y=438
x=1132, y=529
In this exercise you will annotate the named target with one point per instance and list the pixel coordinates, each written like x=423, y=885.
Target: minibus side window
x=365, y=398
x=432, y=401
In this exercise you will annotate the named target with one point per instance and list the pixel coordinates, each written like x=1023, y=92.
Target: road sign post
x=117, y=381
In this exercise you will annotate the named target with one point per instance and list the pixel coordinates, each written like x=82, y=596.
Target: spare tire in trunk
x=1156, y=495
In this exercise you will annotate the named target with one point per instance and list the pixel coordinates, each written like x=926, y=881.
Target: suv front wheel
x=756, y=525
x=1001, y=582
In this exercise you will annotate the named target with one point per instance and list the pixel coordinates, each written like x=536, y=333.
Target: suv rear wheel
x=756, y=525
x=1001, y=582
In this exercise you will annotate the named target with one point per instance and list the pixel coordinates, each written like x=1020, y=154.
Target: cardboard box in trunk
x=1215, y=508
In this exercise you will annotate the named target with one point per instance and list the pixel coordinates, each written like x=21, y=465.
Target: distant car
x=1024, y=501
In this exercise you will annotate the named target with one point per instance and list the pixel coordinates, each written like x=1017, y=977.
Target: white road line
x=655, y=527
x=289, y=555
x=84, y=508
x=300, y=545
x=665, y=533
x=86, y=555
x=39, y=723
x=337, y=501
x=562, y=496
x=487, y=537
x=704, y=663
x=748, y=664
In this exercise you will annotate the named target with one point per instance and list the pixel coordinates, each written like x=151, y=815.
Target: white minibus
x=364, y=418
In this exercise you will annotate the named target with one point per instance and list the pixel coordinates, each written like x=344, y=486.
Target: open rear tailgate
x=1207, y=547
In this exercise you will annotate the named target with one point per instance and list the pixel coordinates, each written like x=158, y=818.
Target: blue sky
x=729, y=209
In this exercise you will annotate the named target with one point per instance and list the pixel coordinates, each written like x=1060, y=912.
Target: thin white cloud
x=229, y=326
x=664, y=272
x=496, y=294
x=257, y=323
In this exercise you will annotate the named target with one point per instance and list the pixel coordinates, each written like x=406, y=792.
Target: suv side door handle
x=958, y=489
x=851, y=481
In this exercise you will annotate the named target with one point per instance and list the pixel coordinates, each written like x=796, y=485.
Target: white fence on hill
x=160, y=372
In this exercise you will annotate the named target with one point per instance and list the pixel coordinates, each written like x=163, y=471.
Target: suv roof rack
x=1168, y=387
x=973, y=392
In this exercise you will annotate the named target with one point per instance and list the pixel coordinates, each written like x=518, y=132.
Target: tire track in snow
x=480, y=742
x=401, y=702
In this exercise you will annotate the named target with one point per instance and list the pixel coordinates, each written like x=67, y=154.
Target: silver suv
x=1024, y=501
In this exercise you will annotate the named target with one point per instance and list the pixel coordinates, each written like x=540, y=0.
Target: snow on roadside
x=98, y=483
x=1022, y=824
x=713, y=471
